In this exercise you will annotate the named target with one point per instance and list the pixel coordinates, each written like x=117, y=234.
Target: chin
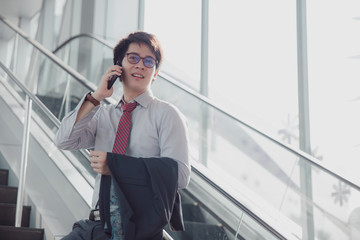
x=137, y=87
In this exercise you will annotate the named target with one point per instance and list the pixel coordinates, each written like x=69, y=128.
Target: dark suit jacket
x=148, y=192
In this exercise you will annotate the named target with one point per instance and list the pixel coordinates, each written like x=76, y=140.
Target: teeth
x=137, y=75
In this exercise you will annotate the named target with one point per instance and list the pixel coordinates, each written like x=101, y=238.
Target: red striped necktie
x=123, y=131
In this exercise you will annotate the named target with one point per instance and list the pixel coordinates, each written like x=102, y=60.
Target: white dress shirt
x=158, y=129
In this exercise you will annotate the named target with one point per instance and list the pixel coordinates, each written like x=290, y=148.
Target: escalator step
x=8, y=212
x=199, y=231
x=4, y=176
x=8, y=194
x=192, y=213
x=14, y=233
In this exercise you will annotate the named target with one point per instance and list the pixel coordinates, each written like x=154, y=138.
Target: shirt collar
x=143, y=99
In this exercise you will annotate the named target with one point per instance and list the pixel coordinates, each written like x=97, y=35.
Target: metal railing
x=29, y=99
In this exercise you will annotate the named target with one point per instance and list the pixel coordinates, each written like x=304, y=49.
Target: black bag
x=87, y=230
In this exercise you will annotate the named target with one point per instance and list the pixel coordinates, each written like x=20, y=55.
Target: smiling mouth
x=137, y=75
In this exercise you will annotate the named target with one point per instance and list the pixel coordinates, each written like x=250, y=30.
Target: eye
x=133, y=57
x=149, y=61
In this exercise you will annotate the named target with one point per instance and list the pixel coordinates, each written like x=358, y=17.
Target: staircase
x=8, y=231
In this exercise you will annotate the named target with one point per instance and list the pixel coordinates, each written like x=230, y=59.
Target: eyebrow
x=139, y=55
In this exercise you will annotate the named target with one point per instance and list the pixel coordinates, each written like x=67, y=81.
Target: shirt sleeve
x=174, y=142
x=81, y=135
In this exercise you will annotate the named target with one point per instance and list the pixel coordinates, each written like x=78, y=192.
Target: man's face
x=137, y=77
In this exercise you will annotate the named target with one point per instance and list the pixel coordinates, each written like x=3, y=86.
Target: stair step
x=192, y=212
x=4, y=177
x=8, y=194
x=14, y=233
x=8, y=212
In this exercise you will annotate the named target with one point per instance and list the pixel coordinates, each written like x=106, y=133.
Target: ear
x=155, y=75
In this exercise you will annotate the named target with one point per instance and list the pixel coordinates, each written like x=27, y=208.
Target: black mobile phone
x=113, y=78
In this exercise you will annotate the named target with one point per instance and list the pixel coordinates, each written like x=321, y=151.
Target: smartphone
x=113, y=78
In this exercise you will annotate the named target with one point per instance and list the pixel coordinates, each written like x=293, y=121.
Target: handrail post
x=141, y=15
x=307, y=212
x=204, y=88
x=23, y=166
x=15, y=53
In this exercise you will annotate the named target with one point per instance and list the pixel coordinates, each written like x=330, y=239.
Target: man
x=140, y=126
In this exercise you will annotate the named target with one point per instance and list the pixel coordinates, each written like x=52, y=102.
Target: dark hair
x=139, y=37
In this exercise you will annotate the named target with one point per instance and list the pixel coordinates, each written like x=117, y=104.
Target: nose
x=140, y=65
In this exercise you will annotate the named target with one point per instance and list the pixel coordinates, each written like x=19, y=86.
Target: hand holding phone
x=113, y=78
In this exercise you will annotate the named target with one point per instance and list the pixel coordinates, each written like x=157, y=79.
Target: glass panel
x=89, y=57
x=73, y=165
x=182, y=46
x=334, y=73
x=208, y=214
x=253, y=63
x=265, y=177
x=57, y=90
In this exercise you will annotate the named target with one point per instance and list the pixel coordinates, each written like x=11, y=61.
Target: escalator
x=244, y=184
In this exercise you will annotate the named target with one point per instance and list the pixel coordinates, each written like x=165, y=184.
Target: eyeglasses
x=134, y=58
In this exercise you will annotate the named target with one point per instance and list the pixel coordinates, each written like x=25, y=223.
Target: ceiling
x=14, y=9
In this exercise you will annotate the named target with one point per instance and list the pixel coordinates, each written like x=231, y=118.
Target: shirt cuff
x=71, y=127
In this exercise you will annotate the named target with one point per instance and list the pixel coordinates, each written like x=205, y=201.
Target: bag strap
x=97, y=205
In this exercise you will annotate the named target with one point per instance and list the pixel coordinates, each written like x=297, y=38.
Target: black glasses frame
x=138, y=58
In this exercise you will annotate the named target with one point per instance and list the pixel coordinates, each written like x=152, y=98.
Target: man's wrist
x=96, y=96
x=92, y=99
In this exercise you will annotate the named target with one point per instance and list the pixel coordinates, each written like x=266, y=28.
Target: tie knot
x=128, y=107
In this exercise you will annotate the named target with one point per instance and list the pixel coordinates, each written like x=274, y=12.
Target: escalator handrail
x=34, y=98
x=241, y=206
x=37, y=102
x=41, y=105
x=303, y=155
x=89, y=35
x=81, y=79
